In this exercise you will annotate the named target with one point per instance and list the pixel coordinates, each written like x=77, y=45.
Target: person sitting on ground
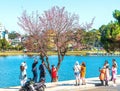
x=77, y=73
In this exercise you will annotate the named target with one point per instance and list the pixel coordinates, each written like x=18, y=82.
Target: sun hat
x=77, y=63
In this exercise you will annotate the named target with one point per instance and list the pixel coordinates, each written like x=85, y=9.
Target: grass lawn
x=7, y=53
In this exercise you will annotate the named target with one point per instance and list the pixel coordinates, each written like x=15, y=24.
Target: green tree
x=0, y=44
x=110, y=36
x=13, y=35
x=4, y=45
x=91, y=39
x=116, y=15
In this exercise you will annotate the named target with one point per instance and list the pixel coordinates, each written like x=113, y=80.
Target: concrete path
x=92, y=85
x=103, y=88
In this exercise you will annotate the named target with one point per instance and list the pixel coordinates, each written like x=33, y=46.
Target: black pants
x=35, y=75
x=106, y=83
x=42, y=77
x=102, y=82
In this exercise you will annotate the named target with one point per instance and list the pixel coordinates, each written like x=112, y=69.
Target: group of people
x=23, y=73
x=105, y=73
x=80, y=72
x=35, y=72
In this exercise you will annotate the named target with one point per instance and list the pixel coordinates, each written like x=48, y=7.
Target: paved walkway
x=103, y=88
x=92, y=85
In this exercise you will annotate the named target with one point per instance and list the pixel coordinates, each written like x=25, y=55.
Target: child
x=114, y=73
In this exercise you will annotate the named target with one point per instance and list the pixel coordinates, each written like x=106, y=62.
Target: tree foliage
x=116, y=15
x=110, y=34
x=87, y=39
x=91, y=39
x=4, y=45
x=13, y=35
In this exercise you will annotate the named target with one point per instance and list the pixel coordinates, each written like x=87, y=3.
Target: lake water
x=9, y=67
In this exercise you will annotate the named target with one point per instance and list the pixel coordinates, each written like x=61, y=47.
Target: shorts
x=77, y=73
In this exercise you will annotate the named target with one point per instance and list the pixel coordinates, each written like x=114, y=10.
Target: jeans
x=35, y=76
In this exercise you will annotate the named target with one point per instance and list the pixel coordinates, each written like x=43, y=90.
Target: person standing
x=54, y=74
x=25, y=65
x=23, y=75
x=114, y=73
x=106, y=63
x=107, y=75
x=83, y=73
x=102, y=75
x=113, y=63
x=34, y=70
x=77, y=72
x=42, y=71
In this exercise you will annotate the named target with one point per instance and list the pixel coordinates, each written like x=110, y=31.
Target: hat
x=77, y=63
x=22, y=64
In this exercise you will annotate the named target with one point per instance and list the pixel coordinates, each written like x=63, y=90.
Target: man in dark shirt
x=34, y=70
x=42, y=71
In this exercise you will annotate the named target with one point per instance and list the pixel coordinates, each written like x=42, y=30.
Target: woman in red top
x=54, y=74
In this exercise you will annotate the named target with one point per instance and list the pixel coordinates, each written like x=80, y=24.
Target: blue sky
x=86, y=9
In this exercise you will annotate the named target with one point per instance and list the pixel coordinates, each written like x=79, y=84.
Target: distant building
x=3, y=32
x=16, y=41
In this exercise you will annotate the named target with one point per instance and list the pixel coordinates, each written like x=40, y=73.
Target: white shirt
x=76, y=68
